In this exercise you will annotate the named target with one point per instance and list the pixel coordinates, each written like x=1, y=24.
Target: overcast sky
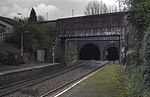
x=55, y=8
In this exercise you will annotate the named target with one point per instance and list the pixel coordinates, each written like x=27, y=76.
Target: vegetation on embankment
x=138, y=69
x=138, y=65
x=5, y=50
x=108, y=82
x=35, y=37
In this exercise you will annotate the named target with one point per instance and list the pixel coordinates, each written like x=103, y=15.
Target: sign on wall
x=41, y=55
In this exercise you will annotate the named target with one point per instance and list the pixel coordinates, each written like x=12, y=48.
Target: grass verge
x=108, y=82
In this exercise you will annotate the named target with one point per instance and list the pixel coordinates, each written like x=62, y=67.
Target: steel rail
x=5, y=90
x=74, y=80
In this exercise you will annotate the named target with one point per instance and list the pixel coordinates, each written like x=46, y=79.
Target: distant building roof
x=8, y=20
x=2, y=25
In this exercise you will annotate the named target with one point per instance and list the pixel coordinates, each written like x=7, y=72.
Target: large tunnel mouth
x=112, y=53
x=89, y=52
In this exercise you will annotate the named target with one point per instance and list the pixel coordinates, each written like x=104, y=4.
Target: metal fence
x=6, y=32
x=3, y=36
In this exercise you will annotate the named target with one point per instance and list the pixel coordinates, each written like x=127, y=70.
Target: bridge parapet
x=92, y=32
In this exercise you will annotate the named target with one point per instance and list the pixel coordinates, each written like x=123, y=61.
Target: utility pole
x=46, y=16
x=53, y=47
x=21, y=17
x=72, y=12
x=21, y=49
x=21, y=39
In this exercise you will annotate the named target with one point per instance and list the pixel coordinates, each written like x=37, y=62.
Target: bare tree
x=40, y=18
x=23, y=20
x=124, y=5
x=95, y=7
x=112, y=8
x=98, y=7
x=16, y=19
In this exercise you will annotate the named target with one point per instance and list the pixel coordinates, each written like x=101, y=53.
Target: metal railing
x=3, y=36
x=5, y=33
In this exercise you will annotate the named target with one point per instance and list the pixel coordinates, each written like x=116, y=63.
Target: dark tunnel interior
x=89, y=52
x=112, y=53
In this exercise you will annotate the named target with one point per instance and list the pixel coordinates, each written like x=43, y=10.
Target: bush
x=134, y=81
x=133, y=57
x=37, y=37
x=3, y=56
x=5, y=51
x=138, y=69
x=145, y=55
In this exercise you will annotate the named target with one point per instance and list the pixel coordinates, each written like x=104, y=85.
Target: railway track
x=7, y=89
x=55, y=81
x=53, y=93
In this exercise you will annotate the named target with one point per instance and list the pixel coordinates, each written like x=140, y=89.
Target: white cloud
x=11, y=11
x=42, y=9
x=54, y=8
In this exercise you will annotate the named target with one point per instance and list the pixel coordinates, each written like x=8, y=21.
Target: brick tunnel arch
x=89, y=52
x=112, y=53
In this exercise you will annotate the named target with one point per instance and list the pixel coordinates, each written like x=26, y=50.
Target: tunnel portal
x=89, y=52
x=112, y=53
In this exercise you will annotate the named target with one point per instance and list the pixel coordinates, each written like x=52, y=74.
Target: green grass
x=108, y=82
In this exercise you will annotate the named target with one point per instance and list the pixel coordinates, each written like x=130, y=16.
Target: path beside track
x=108, y=82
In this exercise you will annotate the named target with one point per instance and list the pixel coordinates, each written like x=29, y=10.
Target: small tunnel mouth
x=112, y=53
x=89, y=52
